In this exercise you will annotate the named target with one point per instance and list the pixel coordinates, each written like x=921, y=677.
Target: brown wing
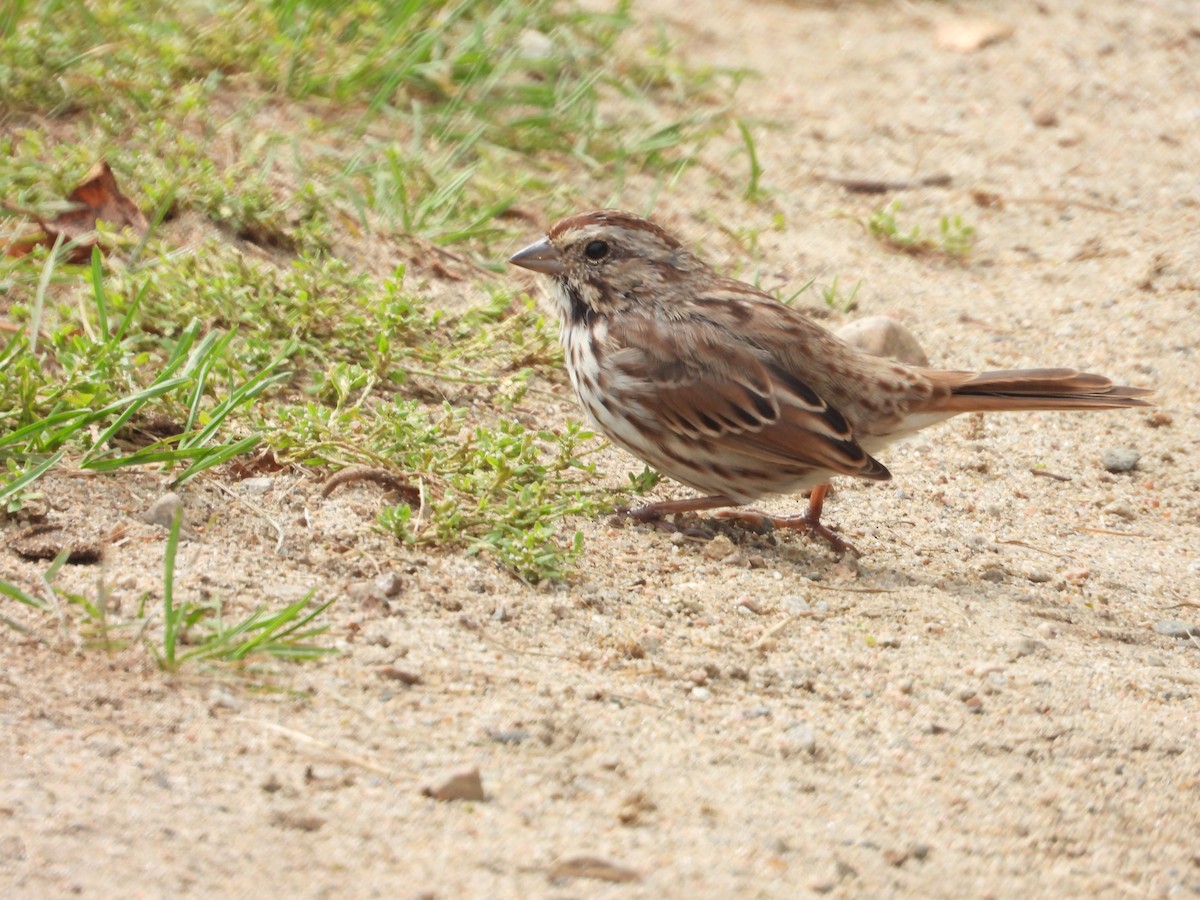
x=699, y=383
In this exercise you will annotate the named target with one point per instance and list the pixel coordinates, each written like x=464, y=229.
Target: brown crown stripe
x=610, y=217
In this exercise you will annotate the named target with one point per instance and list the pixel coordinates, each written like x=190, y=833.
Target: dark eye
x=596, y=250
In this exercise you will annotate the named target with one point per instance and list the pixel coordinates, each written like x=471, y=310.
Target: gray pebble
x=257, y=485
x=1023, y=646
x=795, y=604
x=163, y=510
x=1119, y=459
x=511, y=736
x=800, y=739
x=1176, y=629
x=388, y=584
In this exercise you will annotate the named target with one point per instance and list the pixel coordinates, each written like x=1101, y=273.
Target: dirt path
x=981, y=706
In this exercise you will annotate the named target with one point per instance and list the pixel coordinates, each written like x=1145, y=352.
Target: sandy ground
x=980, y=706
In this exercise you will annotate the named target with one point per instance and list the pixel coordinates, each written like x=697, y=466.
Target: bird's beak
x=540, y=257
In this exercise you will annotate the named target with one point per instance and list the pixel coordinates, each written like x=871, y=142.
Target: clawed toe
x=759, y=521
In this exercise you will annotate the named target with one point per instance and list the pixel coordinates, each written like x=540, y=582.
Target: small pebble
x=257, y=485
x=222, y=699
x=989, y=667
x=163, y=510
x=1119, y=459
x=1119, y=508
x=1176, y=629
x=1044, y=117
x=890, y=641
x=1023, y=646
x=884, y=336
x=799, y=739
x=795, y=604
x=388, y=584
x=700, y=693
x=533, y=46
x=404, y=676
x=464, y=785
x=718, y=548
x=510, y=736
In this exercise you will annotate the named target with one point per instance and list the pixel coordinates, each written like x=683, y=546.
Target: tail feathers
x=1033, y=389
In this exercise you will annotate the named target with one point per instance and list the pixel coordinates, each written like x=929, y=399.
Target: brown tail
x=1033, y=389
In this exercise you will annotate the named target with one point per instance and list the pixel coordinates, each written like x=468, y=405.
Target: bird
x=721, y=387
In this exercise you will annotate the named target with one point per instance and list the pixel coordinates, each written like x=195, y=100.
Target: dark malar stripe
x=581, y=313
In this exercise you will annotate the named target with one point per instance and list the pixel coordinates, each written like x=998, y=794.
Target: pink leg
x=810, y=521
x=653, y=511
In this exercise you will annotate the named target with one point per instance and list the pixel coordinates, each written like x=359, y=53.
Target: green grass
x=190, y=633
x=953, y=239
x=310, y=170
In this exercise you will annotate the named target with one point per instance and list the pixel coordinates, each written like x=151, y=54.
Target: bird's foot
x=809, y=521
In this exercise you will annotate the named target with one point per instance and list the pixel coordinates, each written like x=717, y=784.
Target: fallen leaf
x=969, y=35
x=96, y=199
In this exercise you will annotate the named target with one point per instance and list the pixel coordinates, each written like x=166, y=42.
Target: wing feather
x=739, y=397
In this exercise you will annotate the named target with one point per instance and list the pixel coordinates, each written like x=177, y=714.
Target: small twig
x=259, y=512
x=1188, y=604
x=1134, y=534
x=853, y=590
x=877, y=186
x=1042, y=473
x=24, y=629
x=378, y=476
x=1060, y=203
x=775, y=629
x=1033, y=548
x=301, y=738
x=517, y=650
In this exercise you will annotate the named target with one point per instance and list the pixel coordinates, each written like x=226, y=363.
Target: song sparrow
x=721, y=387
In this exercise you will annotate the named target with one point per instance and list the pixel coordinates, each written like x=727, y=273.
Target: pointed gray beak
x=540, y=257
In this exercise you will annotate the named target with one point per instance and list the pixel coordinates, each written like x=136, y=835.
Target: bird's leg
x=810, y=521
x=653, y=513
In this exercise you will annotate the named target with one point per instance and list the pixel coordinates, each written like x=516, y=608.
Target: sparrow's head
x=607, y=260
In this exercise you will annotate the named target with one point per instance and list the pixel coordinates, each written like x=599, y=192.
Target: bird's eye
x=596, y=250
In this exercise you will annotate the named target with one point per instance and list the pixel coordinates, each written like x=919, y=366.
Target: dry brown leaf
x=969, y=35
x=96, y=199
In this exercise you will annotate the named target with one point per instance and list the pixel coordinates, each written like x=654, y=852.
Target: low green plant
x=284, y=634
x=954, y=239
x=191, y=632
